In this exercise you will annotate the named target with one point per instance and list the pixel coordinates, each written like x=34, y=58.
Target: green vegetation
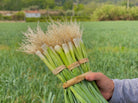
x=16, y=16
x=112, y=49
x=111, y=12
x=95, y=9
x=60, y=4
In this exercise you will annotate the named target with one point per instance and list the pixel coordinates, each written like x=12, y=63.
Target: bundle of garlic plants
x=62, y=50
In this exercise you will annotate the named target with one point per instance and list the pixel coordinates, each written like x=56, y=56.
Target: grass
x=112, y=49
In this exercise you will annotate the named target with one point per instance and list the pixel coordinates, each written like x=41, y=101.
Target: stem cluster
x=66, y=54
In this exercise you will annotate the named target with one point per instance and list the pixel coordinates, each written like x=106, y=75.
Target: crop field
x=112, y=48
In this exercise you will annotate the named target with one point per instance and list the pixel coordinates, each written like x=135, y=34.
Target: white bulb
x=70, y=45
x=44, y=47
x=57, y=47
x=38, y=53
x=65, y=47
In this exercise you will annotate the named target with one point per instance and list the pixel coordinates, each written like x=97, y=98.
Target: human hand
x=106, y=85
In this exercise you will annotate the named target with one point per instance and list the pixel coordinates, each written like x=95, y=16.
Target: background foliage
x=64, y=4
x=111, y=12
x=95, y=9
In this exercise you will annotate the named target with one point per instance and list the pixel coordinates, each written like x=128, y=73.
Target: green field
x=112, y=49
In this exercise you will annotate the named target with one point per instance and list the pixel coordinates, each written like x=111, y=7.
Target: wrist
x=112, y=90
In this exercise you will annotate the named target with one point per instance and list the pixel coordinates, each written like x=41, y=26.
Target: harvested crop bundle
x=62, y=50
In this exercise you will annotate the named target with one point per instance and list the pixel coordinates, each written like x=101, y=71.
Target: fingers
x=93, y=76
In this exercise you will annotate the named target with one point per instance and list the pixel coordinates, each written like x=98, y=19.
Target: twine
x=75, y=80
x=73, y=65
x=84, y=60
x=58, y=69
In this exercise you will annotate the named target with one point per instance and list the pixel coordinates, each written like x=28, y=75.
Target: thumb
x=92, y=76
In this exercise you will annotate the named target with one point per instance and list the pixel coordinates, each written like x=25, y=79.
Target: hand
x=106, y=85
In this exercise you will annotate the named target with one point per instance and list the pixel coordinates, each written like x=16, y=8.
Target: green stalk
x=90, y=95
x=78, y=52
x=88, y=66
x=80, y=49
x=51, y=67
x=96, y=93
x=59, y=50
x=52, y=56
x=70, y=96
x=82, y=92
x=77, y=95
x=38, y=53
x=70, y=60
x=66, y=97
x=53, y=61
x=71, y=51
x=84, y=52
